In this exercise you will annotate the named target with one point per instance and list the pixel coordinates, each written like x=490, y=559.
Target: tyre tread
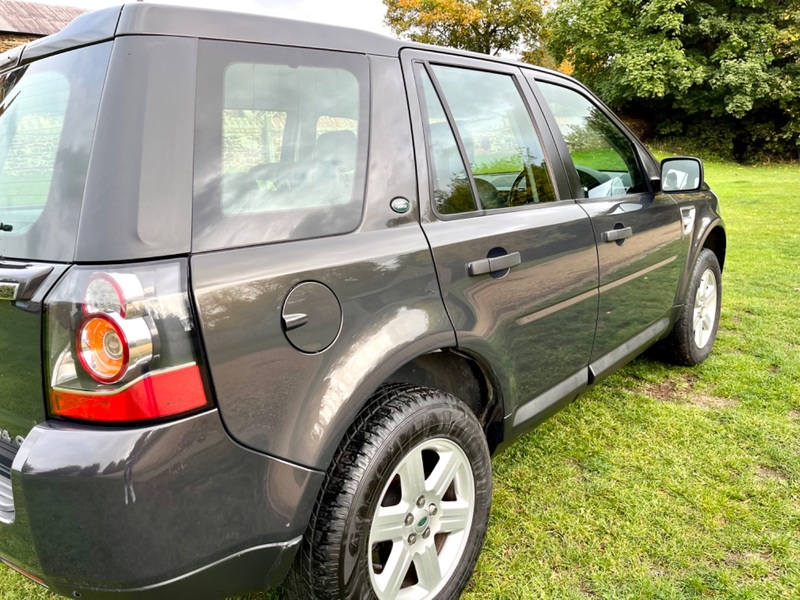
x=677, y=347
x=314, y=574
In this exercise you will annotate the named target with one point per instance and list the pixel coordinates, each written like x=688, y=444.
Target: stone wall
x=10, y=40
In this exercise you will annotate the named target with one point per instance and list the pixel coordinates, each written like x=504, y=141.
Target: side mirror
x=681, y=174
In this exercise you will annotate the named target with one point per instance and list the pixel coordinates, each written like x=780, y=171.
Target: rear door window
x=496, y=141
x=281, y=144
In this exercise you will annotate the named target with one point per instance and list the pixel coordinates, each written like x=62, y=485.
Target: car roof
x=158, y=19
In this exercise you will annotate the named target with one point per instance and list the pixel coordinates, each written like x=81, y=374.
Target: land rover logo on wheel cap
x=421, y=523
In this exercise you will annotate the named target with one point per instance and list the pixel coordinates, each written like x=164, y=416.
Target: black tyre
x=404, y=506
x=692, y=337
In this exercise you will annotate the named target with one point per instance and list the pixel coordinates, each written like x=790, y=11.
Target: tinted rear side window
x=281, y=144
x=48, y=111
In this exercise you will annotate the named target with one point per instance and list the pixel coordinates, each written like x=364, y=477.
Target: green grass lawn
x=667, y=482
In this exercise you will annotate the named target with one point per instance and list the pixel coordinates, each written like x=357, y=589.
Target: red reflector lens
x=154, y=396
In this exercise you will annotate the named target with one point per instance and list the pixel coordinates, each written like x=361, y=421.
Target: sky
x=363, y=14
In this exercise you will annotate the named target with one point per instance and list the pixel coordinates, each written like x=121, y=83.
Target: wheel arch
x=715, y=239
x=463, y=376
x=711, y=236
x=441, y=367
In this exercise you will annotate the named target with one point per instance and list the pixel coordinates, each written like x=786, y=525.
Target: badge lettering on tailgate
x=7, y=438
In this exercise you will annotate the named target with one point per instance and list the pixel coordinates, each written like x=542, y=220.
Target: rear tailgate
x=48, y=111
x=22, y=404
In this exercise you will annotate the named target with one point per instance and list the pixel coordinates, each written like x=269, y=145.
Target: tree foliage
x=485, y=26
x=723, y=72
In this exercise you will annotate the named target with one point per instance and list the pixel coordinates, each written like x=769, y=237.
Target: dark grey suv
x=272, y=294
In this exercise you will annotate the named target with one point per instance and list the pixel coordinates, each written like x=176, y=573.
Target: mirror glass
x=681, y=174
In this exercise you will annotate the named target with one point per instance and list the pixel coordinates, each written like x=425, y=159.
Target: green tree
x=485, y=26
x=725, y=73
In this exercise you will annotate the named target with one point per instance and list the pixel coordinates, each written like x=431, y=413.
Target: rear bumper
x=168, y=511
x=253, y=569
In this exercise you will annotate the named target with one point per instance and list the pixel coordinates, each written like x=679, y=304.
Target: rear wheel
x=692, y=337
x=404, y=507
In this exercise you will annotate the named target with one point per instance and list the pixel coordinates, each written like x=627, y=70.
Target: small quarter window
x=30, y=137
x=48, y=113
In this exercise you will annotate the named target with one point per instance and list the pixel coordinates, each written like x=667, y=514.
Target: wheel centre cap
x=422, y=521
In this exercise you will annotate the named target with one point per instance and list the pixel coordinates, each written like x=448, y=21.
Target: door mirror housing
x=681, y=174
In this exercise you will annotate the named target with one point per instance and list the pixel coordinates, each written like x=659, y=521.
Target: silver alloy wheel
x=705, y=309
x=422, y=523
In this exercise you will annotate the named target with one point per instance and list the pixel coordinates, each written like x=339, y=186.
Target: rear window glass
x=48, y=111
x=30, y=134
x=285, y=156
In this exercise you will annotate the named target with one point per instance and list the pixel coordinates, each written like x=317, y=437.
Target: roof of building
x=34, y=19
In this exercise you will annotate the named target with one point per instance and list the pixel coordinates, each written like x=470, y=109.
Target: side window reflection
x=603, y=156
x=452, y=193
x=501, y=147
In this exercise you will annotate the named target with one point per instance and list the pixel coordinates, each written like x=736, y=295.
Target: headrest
x=336, y=148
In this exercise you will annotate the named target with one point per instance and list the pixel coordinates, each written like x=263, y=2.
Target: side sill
x=532, y=412
x=610, y=362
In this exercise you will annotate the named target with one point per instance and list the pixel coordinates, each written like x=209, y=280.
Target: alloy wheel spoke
x=704, y=290
x=698, y=320
x=395, y=571
x=429, y=571
x=412, y=476
x=388, y=523
x=454, y=516
x=709, y=292
x=444, y=473
x=708, y=321
x=698, y=336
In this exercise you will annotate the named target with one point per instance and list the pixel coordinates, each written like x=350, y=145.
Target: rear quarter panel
x=278, y=400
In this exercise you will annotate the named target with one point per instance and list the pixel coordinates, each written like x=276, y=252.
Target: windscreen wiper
x=6, y=227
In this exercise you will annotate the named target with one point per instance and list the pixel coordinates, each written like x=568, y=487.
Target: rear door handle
x=615, y=235
x=490, y=265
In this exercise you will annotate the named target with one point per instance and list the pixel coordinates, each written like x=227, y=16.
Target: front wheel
x=692, y=337
x=405, y=504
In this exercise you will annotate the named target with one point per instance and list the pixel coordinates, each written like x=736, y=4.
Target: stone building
x=22, y=22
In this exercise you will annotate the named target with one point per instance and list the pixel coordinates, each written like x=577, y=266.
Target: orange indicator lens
x=102, y=348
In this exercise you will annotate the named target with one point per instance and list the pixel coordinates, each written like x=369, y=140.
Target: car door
x=516, y=262
x=640, y=243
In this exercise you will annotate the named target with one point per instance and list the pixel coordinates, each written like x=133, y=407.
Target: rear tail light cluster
x=121, y=345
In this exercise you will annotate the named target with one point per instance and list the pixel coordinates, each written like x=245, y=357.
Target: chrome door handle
x=615, y=235
x=490, y=265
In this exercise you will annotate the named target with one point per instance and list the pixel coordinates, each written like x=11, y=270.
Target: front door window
x=604, y=158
